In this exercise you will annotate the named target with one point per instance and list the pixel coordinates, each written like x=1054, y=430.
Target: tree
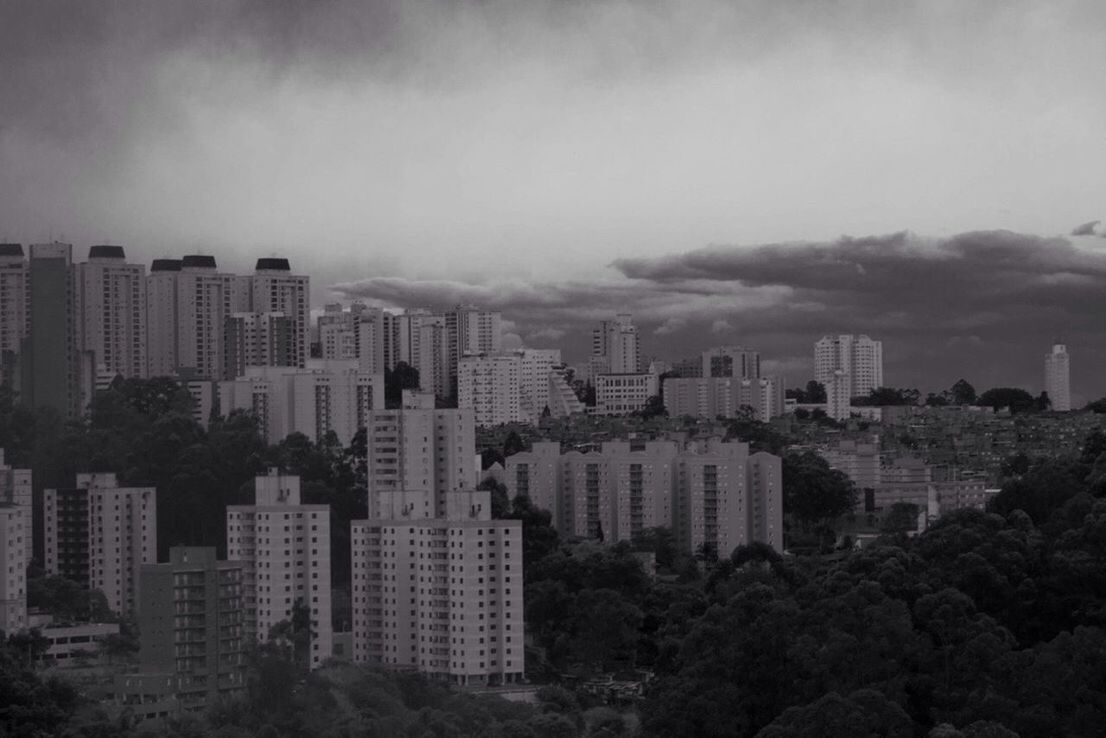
x=962, y=393
x=653, y=408
x=1014, y=398
x=814, y=494
x=815, y=392
x=514, y=444
x=403, y=376
x=901, y=518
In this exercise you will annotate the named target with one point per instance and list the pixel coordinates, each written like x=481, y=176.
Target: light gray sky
x=525, y=142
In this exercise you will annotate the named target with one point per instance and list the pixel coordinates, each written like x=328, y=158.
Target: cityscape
x=429, y=369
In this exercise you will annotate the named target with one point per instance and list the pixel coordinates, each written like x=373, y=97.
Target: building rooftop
x=273, y=264
x=165, y=265
x=106, y=252
x=11, y=249
x=200, y=261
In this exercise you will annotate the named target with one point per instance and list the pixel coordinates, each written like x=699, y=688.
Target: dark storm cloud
x=1086, y=229
x=985, y=304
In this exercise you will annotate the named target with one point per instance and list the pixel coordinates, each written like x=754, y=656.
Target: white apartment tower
x=617, y=341
x=490, y=386
x=161, y=317
x=537, y=368
x=257, y=339
x=421, y=449
x=15, y=489
x=441, y=595
x=14, y=316
x=110, y=305
x=205, y=298
x=284, y=548
x=839, y=393
x=15, y=531
x=1058, y=377
x=100, y=534
x=858, y=357
x=471, y=330
x=276, y=290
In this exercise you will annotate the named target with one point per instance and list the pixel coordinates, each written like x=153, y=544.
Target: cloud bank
x=986, y=305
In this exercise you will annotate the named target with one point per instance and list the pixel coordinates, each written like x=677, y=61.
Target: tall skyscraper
x=276, y=290
x=110, y=303
x=439, y=594
x=14, y=318
x=100, y=534
x=1058, y=377
x=617, y=342
x=162, y=324
x=191, y=624
x=421, y=449
x=284, y=548
x=15, y=530
x=49, y=366
x=205, y=298
x=471, y=330
x=858, y=357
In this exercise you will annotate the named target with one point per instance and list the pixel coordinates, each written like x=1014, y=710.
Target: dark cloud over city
x=986, y=305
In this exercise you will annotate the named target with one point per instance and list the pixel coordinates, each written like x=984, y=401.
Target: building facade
x=724, y=397
x=283, y=547
x=100, y=534
x=16, y=489
x=110, y=303
x=620, y=394
x=615, y=344
x=191, y=624
x=490, y=385
x=15, y=531
x=441, y=595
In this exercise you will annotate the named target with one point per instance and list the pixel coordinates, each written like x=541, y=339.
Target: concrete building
x=72, y=645
x=257, y=339
x=274, y=289
x=49, y=359
x=1058, y=377
x=191, y=624
x=421, y=449
x=616, y=342
x=190, y=333
x=110, y=304
x=708, y=492
x=536, y=381
x=100, y=534
x=14, y=314
x=490, y=385
x=534, y=474
x=284, y=550
x=15, y=530
x=859, y=358
x=620, y=394
x=441, y=595
x=725, y=397
x=326, y=396
x=562, y=400
x=16, y=489
x=731, y=361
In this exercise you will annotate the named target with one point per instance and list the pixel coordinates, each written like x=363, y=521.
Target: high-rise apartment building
x=49, y=366
x=14, y=317
x=471, y=330
x=257, y=339
x=839, y=393
x=283, y=546
x=15, y=530
x=441, y=595
x=421, y=449
x=205, y=298
x=15, y=489
x=1058, y=377
x=709, y=491
x=276, y=290
x=731, y=361
x=860, y=358
x=100, y=534
x=616, y=341
x=536, y=367
x=110, y=304
x=490, y=386
x=161, y=317
x=191, y=624
x=326, y=396
x=621, y=394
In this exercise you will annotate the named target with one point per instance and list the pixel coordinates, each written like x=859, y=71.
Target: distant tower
x=1058, y=377
x=859, y=357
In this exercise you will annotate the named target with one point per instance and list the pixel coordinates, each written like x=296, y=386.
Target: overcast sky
x=591, y=149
